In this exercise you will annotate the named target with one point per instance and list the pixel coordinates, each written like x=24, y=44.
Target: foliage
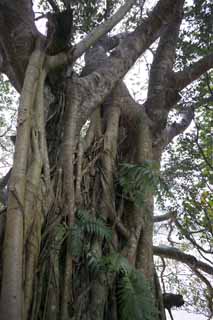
x=134, y=295
x=87, y=14
x=188, y=170
x=140, y=179
x=188, y=173
x=197, y=34
x=87, y=225
x=135, y=298
x=8, y=110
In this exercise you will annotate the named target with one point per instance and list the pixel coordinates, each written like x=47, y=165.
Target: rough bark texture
x=61, y=170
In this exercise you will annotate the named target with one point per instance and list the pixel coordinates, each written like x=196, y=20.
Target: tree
x=78, y=233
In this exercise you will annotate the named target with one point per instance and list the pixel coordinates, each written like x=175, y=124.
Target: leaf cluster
x=86, y=228
x=138, y=180
x=197, y=32
x=134, y=296
x=135, y=300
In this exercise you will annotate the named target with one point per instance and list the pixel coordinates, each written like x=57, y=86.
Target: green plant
x=137, y=180
x=135, y=300
x=87, y=225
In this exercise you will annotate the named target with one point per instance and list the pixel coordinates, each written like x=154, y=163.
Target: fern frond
x=94, y=225
x=135, y=300
x=86, y=225
x=138, y=180
x=116, y=263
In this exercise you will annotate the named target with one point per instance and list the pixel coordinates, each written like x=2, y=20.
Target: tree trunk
x=64, y=172
x=79, y=225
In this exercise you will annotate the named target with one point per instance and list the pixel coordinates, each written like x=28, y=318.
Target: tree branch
x=176, y=254
x=101, y=30
x=91, y=38
x=95, y=88
x=163, y=217
x=6, y=68
x=190, y=238
x=128, y=106
x=109, y=43
x=133, y=45
x=17, y=37
x=209, y=296
x=53, y=5
x=204, y=279
x=159, y=82
x=177, y=128
x=164, y=57
x=185, y=77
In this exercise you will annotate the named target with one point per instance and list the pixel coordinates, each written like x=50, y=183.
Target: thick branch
x=127, y=105
x=134, y=44
x=165, y=55
x=17, y=37
x=92, y=37
x=159, y=89
x=96, y=87
x=176, y=254
x=101, y=30
x=163, y=217
x=193, y=72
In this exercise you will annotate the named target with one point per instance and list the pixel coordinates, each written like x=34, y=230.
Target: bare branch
x=204, y=279
x=101, y=30
x=176, y=254
x=6, y=68
x=163, y=217
x=159, y=81
x=193, y=72
x=177, y=128
x=209, y=296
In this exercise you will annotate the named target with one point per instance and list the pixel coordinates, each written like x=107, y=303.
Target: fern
x=138, y=180
x=92, y=225
x=134, y=297
x=133, y=293
x=86, y=225
x=116, y=263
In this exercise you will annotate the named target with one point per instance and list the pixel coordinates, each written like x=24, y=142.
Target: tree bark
x=65, y=188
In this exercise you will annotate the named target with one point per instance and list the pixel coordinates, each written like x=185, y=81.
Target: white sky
x=183, y=315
